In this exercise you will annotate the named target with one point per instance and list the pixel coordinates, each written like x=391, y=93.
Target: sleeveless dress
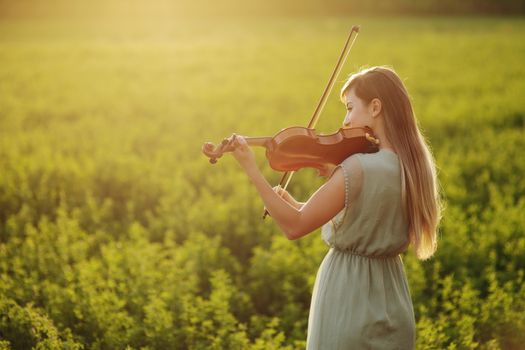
x=361, y=298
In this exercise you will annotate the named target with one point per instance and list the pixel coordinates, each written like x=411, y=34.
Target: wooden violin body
x=298, y=147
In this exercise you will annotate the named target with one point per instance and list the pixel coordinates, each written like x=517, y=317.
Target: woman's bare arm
x=323, y=205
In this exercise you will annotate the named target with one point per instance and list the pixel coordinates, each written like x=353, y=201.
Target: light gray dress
x=361, y=298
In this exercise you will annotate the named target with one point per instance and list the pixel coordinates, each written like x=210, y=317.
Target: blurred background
x=117, y=233
x=166, y=9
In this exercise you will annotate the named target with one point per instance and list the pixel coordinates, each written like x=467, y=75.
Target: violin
x=298, y=147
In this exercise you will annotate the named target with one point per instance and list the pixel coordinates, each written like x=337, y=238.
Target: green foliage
x=116, y=233
x=28, y=327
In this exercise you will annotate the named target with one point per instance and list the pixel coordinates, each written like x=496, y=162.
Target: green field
x=117, y=233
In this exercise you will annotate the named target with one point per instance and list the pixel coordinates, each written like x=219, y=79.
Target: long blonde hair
x=420, y=187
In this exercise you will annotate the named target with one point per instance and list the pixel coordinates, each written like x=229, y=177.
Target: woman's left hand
x=243, y=153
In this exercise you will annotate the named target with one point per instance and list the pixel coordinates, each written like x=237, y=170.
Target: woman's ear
x=375, y=107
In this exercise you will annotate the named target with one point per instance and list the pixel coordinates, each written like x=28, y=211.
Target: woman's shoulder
x=353, y=162
x=348, y=165
x=353, y=169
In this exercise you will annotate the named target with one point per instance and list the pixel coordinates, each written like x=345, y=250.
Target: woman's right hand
x=287, y=196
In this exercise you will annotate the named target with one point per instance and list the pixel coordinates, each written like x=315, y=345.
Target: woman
x=371, y=208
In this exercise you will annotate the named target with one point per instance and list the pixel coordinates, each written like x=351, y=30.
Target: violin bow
x=287, y=176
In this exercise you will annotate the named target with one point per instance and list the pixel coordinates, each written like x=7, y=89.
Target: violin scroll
x=214, y=152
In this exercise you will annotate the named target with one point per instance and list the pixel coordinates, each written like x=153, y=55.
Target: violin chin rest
x=371, y=139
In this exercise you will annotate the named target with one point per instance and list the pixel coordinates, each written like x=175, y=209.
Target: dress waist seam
x=353, y=252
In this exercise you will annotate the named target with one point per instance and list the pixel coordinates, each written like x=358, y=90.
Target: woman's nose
x=346, y=121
